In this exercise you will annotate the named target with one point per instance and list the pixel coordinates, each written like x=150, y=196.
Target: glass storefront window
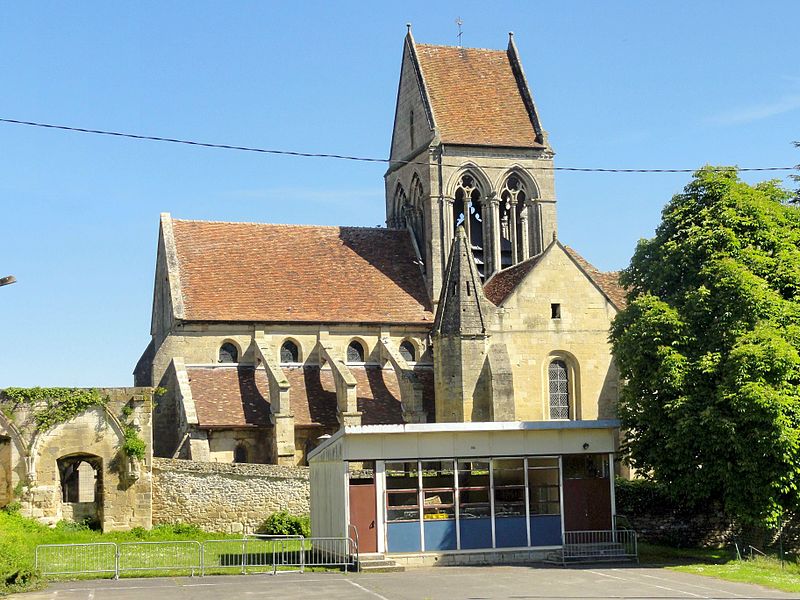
x=509, y=487
x=438, y=485
x=402, y=491
x=543, y=486
x=473, y=489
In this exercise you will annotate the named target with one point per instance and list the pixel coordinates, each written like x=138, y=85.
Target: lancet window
x=415, y=215
x=512, y=222
x=467, y=211
x=400, y=200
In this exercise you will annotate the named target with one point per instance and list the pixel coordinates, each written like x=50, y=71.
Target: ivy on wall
x=53, y=406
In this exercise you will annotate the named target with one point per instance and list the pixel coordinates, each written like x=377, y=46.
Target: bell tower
x=468, y=149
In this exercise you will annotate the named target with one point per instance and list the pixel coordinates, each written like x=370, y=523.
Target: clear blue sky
x=622, y=84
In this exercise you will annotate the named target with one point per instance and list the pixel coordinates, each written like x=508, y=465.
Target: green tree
x=710, y=347
x=796, y=198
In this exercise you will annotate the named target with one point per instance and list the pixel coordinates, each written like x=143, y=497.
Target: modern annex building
x=465, y=309
x=444, y=488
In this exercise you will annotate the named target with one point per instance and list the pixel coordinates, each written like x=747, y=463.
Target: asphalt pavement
x=438, y=583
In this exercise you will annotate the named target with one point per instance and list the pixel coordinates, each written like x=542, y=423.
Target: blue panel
x=403, y=536
x=546, y=530
x=476, y=533
x=440, y=534
x=510, y=532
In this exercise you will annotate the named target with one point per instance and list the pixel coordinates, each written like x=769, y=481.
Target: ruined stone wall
x=229, y=498
x=123, y=494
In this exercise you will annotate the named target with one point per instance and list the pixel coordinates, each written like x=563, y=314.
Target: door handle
x=372, y=525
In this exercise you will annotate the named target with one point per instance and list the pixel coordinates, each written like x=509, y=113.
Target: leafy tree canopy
x=710, y=347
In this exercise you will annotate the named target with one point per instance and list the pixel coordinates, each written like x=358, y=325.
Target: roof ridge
x=461, y=48
x=305, y=225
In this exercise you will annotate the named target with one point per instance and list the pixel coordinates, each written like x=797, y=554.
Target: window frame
x=363, y=356
x=298, y=349
x=237, y=358
x=573, y=386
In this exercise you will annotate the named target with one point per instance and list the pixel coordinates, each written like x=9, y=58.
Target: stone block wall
x=35, y=463
x=229, y=498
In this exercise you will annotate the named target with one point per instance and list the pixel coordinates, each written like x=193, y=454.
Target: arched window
x=559, y=389
x=240, y=454
x=228, y=353
x=467, y=212
x=290, y=353
x=408, y=351
x=355, y=352
x=399, y=203
x=512, y=207
x=414, y=213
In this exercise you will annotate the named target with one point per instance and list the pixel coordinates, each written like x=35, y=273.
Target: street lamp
x=7, y=280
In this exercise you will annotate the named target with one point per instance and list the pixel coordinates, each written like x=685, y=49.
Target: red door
x=363, y=515
x=587, y=504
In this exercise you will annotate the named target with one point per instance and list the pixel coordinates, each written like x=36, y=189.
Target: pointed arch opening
x=513, y=235
x=399, y=201
x=468, y=211
x=414, y=213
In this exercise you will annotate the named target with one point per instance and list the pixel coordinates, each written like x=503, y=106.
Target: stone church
x=465, y=307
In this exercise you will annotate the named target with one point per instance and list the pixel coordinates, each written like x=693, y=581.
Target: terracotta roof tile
x=475, y=97
x=230, y=396
x=608, y=282
x=237, y=397
x=502, y=283
x=263, y=272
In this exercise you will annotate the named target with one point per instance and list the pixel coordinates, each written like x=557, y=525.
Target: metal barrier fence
x=330, y=551
x=77, y=559
x=251, y=554
x=160, y=556
x=619, y=544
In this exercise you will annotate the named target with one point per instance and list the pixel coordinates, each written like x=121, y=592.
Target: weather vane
x=459, y=22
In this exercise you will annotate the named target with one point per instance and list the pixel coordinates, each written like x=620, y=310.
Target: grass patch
x=657, y=555
x=723, y=564
x=761, y=571
x=20, y=536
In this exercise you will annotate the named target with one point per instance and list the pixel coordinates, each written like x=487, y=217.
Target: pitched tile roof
x=237, y=397
x=502, y=283
x=229, y=396
x=608, y=281
x=263, y=272
x=475, y=97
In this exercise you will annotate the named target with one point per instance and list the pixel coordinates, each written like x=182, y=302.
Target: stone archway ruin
x=81, y=484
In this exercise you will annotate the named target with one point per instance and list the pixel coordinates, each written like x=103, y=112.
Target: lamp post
x=7, y=280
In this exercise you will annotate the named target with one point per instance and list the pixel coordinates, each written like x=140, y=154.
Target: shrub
x=282, y=523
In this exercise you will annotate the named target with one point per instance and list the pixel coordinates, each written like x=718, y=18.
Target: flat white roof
x=471, y=427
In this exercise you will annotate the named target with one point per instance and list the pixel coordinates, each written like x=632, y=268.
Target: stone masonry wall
x=230, y=498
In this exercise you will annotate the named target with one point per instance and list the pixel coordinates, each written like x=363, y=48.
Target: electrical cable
x=154, y=138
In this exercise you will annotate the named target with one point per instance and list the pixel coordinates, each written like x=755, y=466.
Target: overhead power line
x=154, y=138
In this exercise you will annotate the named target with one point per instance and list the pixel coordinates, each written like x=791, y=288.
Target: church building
x=268, y=339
